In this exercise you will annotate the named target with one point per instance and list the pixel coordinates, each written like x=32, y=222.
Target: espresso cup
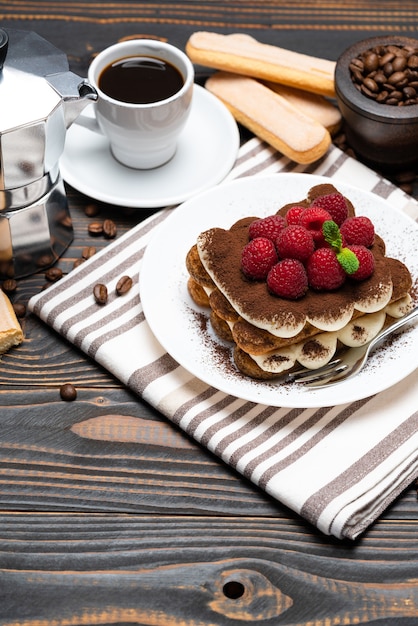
x=145, y=90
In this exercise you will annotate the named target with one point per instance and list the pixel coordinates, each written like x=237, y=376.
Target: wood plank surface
x=169, y=570
x=109, y=514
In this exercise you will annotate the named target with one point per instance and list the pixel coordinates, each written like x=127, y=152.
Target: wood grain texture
x=170, y=570
x=109, y=452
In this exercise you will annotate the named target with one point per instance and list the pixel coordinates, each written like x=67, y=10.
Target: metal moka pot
x=39, y=100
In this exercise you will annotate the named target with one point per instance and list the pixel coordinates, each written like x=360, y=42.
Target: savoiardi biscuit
x=271, y=117
x=10, y=330
x=242, y=54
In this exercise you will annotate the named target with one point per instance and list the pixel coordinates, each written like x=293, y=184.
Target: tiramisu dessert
x=293, y=287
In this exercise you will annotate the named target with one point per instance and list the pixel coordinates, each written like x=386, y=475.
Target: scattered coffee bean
x=66, y=221
x=123, y=285
x=19, y=309
x=78, y=262
x=91, y=210
x=88, y=252
x=53, y=274
x=109, y=229
x=68, y=392
x=100, y=293
x=407, y=188
x=387, y=74
x=45, y=260
x=95, y=229
x=9, y=285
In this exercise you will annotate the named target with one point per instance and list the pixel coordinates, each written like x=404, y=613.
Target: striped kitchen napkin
x=338, y=467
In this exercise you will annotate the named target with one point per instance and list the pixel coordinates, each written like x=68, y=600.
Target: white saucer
x=206, y=152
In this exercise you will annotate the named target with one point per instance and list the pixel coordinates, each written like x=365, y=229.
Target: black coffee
x=140, y=80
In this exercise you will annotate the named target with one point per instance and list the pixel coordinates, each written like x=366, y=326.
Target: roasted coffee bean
x=68, y=392
x=367, y=92
x=357, y=75
x=88, y=252
x=9, y=285
x=20, y=309
x=413, y=62
x=387, y=74
x=385, y=57
x=399, y=79
x=78, y=262
x=398, y=95
x=109, y=229
x=371, y=84
x=123, y=285
x=399, y=63
x=410, y=92
x=45, y=260
x=91, y=210
x=100, y=293
x=379, y=78
x=95, y=229
x=53, y=274
x=382, y=96
x=387, y=69
x=371, y=62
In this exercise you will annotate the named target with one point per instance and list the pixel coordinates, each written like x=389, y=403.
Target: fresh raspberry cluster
x=316, y=247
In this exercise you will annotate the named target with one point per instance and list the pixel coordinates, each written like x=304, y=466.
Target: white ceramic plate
x=206, y=152
x=177, y=322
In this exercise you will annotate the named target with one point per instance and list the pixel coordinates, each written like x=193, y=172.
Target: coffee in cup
x=145, y=90
x=140, y=80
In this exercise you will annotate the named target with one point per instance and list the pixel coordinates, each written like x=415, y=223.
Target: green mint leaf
x=332, y=235
x=348, y=261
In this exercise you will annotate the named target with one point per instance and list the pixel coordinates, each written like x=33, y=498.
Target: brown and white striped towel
x=338, y=467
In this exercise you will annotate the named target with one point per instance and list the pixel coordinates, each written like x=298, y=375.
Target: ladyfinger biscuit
x=312, y=104
x=271, y=117
x=242, y=54
x=10, y=331
x=197, y=293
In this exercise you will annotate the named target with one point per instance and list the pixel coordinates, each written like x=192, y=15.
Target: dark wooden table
x=108, y=514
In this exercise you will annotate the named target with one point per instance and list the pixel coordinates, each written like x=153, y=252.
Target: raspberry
x=258, y=257
x=366, y=260
x=293, y=214
x=358, y=230
x=295, y=242
x=335, y=204
x=324, y=271
x=312, y=219
x=288, y=279
x=267, y=227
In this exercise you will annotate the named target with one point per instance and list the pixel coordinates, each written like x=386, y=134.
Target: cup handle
x=88, y=122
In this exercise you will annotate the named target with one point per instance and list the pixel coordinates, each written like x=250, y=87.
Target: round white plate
x=206, y=152
x=180, y=327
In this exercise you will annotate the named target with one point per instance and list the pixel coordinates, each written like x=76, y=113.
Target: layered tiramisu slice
x=294, y=286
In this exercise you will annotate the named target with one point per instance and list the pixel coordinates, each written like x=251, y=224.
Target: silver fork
x=349, y=361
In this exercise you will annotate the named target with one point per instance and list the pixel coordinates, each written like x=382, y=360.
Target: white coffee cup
x=141, y=136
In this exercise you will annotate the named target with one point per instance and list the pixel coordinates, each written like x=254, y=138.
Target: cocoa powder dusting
x=221, y=354
x=358, y=333
x=314, y=349
x=223, y=249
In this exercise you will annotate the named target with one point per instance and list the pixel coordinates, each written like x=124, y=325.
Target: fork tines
x=305, y=375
